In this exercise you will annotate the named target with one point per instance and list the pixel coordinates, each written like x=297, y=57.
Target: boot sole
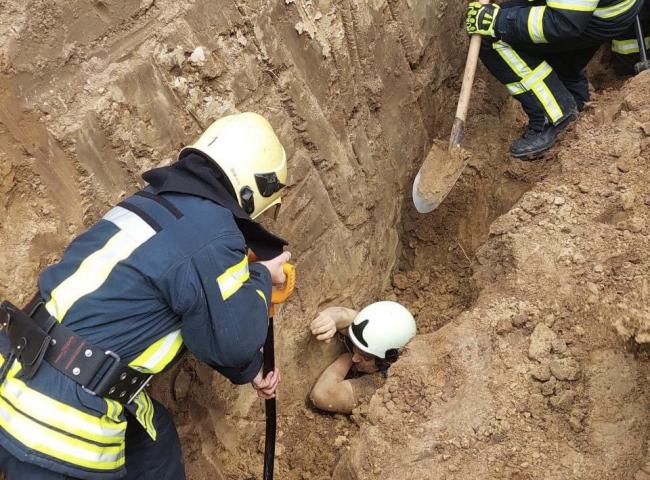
x=528, y=156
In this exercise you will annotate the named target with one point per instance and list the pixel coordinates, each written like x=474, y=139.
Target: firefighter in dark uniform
x=166, y=269
x=539, y=50
x=625, y=48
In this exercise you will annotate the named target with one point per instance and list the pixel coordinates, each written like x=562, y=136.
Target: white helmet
x=246, y=149
x=382, y=328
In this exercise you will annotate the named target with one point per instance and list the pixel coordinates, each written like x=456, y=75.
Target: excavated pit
x=93, y=94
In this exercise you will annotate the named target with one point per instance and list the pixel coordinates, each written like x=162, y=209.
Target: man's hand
x=481, y=18
x=324, y=325
x=266, y=386
x=275, y=268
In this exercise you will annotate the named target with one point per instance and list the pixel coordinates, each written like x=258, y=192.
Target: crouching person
x=374, y=338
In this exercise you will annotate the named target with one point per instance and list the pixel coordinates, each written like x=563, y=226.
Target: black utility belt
x=36, y=336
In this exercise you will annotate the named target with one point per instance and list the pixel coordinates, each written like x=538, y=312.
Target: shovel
x=441, y=169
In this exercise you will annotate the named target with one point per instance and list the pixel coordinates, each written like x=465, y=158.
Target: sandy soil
x=529, y=282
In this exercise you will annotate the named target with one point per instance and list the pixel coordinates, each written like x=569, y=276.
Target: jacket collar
x=195, y=175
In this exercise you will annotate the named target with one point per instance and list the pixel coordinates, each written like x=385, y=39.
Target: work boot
x=535, y=142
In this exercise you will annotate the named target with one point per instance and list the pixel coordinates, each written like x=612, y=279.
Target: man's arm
x=223, y=303
x=330, y=321
x=332, y=392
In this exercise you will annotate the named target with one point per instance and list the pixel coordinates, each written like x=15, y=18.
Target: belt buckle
x=140, y=388
x=114, y=365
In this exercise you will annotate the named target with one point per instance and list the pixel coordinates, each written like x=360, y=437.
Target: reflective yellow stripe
x=530, y=80
x=575, y=5
x=144, y=414
x=96, y=268
x=59, y=415
x=158, y=355
x=113, y=410
x=628, y=47
x=536, y=25
x=544, y=94
x=232, y=279
x=261, y=294
x=614, y=10
x=58, y=445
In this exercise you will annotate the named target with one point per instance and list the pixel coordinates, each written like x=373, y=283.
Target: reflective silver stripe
x=95, y=269
x=129, y=222
x=536, y=24
x=515, y=88
x=542, y=71
x=575, y=5
x=233, y=279
x=614, y=10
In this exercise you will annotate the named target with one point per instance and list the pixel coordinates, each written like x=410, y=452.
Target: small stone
x=198, y=55
x=584, y=188
x=575, y=421
x=519, y=320
x=541, y=373
x=559, y=346
x=628, y=199
x=593, y=288
x=537, y=405
x=548, y=388
x=549, y=320
x=504, y=326
x=647, y=200
x=400, y=281
x=579, y=259
x=565, y=369
x=598, y=268
x=541, y=342
x=563, y=401
x=340, y=440
x=558, y=201
x=623, y=165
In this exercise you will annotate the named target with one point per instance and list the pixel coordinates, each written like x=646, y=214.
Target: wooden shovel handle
x=466, y=89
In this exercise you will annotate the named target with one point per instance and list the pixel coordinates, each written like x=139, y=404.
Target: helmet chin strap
x=383, y=364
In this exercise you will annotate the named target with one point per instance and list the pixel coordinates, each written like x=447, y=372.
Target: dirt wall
x=95, y=93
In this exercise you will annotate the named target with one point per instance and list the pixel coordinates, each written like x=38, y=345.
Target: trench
x=432, y=276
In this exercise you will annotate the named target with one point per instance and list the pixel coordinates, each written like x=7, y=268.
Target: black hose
x=269, y=441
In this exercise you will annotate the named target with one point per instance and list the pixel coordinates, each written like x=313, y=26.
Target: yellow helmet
x=245, y=147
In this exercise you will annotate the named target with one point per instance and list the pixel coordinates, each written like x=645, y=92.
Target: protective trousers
x=145, y=459
x=548, y=79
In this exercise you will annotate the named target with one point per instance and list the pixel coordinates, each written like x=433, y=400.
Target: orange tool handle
x=281, y=294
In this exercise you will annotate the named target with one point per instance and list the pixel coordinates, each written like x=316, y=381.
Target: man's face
x=364, y=362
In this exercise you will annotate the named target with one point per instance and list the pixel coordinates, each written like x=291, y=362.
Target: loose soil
x=529, y=282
